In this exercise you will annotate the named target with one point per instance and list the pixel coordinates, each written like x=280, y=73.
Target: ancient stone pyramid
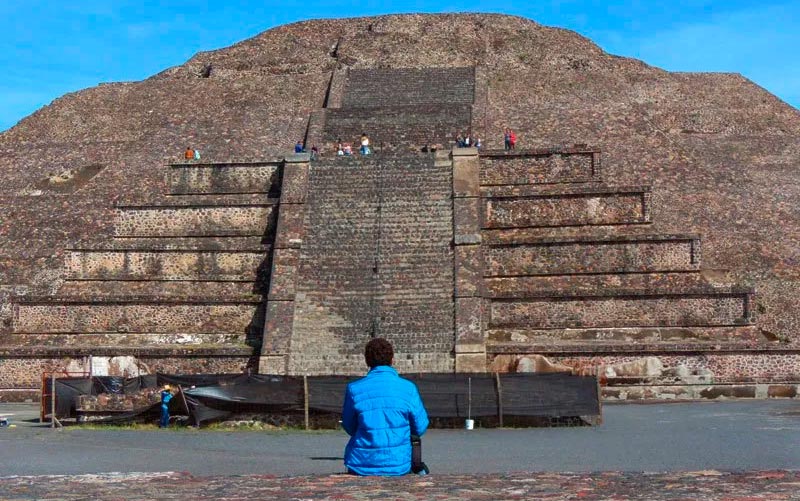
x=582, y=245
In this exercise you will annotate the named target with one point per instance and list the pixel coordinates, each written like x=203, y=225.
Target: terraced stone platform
x=465, y=260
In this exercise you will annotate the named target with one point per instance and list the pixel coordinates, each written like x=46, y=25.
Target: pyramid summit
x=643, y=216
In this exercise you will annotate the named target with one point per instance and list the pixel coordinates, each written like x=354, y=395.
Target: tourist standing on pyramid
x=381, y=412
x=364, y=144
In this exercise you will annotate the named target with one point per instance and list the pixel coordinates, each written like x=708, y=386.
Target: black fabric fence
x=213, y=397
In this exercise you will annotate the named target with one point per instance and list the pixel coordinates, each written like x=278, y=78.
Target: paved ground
x=693, y=441
x=707, y=485
x=670, y=437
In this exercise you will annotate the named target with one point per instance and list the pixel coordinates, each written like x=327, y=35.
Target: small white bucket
x=469, y=424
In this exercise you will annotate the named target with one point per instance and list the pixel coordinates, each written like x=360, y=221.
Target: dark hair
x=378, y=352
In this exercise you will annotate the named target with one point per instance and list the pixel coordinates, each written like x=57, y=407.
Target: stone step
x=604, y=283
x=532, y=206
x=163, y=265
x=194, y=221
x=492, y=236
x=698, y=307
x=232, y=177
x=136, y=314
x=144, y=244
x=735, y=344
x=192, y=353
x=201, y=201
x=584, y=255
x=249, y=290
x=748, y=335
x=527, y=167
x=123, y=339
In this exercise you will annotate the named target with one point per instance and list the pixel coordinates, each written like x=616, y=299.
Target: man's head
x=378, y=352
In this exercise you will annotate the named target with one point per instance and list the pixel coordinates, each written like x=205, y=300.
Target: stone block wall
x=585, y=207
x=162, y=265
x=192, y=221
x=573, y=256
x=620, y=311
x=574, y=165
x=136, y=316
x=205, y=178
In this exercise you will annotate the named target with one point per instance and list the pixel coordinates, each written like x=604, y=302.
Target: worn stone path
x=706, y=485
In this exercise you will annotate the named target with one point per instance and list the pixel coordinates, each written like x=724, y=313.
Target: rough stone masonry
x=582, y=250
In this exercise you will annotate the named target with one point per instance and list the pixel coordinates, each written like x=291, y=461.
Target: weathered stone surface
x=278, y=327
x=558, y=209
x=469, y=270
x=195, y=178
x=540, y=364
x=284, y=274
x=294, y=185
x=718, y=150
x=709, y=484
x=469, y=322
x=782, y=391
x=466, y=221
x=554, y=257
x=470, y=362
x=290, y=229
x=532, y=167
x=466, y=168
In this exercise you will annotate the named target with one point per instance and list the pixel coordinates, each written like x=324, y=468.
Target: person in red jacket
x=512, y=139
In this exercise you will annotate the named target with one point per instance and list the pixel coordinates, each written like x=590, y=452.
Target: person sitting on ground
x=189, y=153
x=364, y=144
x=467, y=141
x=298, y=147
x=166, y=396
x=478, y=143
x=381, y=412
x=196, y=154
x=459, y=141
x=348, y=149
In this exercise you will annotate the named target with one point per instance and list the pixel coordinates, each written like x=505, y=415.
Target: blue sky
x=50, y=47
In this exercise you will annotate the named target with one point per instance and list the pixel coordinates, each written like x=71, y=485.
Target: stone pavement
x=705, y=485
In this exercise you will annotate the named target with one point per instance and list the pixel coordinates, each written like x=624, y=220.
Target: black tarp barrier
x=214, y=397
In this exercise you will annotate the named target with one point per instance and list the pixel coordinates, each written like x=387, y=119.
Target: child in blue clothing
x=166, y=396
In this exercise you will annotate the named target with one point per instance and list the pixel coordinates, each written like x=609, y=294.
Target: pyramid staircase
x=180, y=285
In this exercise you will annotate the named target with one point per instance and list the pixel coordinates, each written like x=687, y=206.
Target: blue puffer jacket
x=381, y=411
